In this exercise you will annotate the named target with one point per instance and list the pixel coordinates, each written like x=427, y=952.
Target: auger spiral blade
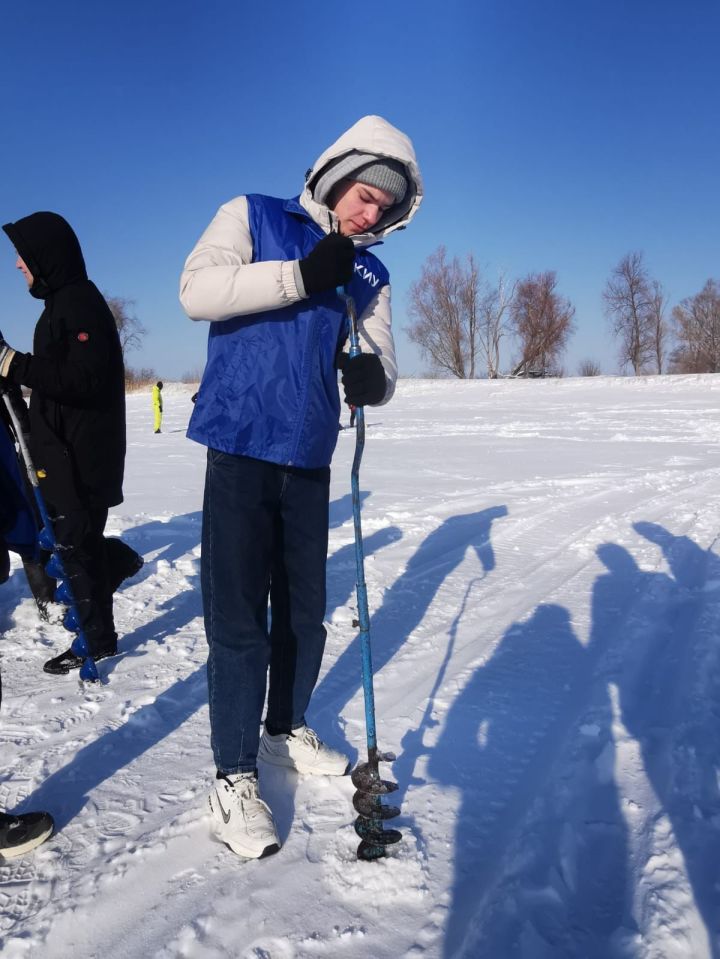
x=366, y=800
x=367, y=830
x=375, y=839
x=367, y=780
x=370, y=807
x=368, y=851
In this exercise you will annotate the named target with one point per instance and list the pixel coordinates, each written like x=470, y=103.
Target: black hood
x=50, y=249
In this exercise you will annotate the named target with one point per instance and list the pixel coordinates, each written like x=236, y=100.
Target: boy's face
x=359, y=206
x=22, y=266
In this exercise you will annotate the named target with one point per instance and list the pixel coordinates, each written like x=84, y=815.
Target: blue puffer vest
x=270, y=384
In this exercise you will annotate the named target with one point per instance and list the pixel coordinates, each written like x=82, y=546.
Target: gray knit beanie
x=382, y=172
x=385, y=174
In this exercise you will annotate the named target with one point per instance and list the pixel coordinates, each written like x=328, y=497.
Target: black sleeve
x=80, y=361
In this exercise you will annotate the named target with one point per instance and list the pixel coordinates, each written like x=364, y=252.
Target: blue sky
x=552, y=135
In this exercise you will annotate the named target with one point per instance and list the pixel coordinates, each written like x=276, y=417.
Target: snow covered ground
x=544, y=583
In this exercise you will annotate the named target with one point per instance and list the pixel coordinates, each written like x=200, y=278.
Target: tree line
x=459, y=318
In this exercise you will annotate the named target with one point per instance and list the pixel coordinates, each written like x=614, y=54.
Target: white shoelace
x=245, y=794
x=309, y=737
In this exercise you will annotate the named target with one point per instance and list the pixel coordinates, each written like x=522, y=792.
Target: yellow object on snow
x=157, y=407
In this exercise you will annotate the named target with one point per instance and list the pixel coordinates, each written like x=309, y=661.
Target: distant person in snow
x=77, y=417
x=18, y=834
x=265, y=273
x=157, y=405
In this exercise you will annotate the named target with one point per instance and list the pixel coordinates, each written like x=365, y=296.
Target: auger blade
x=370, y=806
x=369, y=852
x=70, y=620
x=89, y=672
x=46, y=539
x=373, y=832
x=63, y=593
x=54, y=567
x=367, y=780
x=79, y=645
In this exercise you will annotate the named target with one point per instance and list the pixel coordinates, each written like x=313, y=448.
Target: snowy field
x=544, y=584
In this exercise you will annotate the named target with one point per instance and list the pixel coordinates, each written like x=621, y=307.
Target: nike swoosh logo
x=225, y=815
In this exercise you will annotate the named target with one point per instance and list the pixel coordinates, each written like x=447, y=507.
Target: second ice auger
x=54, y=567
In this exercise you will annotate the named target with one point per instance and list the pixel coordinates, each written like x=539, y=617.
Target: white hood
x=370, y=135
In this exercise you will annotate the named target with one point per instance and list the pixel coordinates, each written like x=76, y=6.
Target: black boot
x=20, y=834
x=122, y=562
x=41, y=586
x=62, y=664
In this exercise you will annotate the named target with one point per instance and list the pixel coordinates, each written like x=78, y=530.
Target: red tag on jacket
x=83, y=337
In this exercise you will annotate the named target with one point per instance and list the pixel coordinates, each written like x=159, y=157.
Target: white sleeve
x=375, y=330
x=220, y=280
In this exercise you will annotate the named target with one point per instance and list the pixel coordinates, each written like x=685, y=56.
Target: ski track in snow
x=544, y=586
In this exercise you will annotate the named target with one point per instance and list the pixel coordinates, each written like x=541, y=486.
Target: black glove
x=363, y=378
x=328, y=264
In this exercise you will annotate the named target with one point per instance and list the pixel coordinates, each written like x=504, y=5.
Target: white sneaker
x=304, y=751
x=241, y=819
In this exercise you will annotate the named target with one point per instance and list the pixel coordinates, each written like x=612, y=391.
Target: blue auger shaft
x=363, y=613
x=79, y=645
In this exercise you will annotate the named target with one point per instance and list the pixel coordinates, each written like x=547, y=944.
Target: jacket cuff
x=6, y=357
x=298, y=280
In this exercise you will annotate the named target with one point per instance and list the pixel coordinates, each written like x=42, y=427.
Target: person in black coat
x=77, y=415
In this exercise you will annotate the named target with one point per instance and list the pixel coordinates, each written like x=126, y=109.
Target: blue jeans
x=265, y=534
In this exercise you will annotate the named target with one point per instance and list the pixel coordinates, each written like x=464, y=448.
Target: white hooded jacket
x=220, y=281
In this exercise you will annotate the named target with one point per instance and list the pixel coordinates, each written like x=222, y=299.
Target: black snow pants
x=79, y=535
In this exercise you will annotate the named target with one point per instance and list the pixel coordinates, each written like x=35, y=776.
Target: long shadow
x=173, y=539
x=341, y=569
x=671, y=705
x=495, y=744
x=408, y=599
x=341, y=510
x=413, y=743
x=66, y=791
x=571, y=895
x=502, y=732
x=180, y=610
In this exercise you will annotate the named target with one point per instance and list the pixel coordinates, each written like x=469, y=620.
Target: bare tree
x=542, y=320
x=495, y=304
x=631, y=306
x=129, y=327
x=444, y=305
x=658, y=325
x=696, y=323
x=589, y=368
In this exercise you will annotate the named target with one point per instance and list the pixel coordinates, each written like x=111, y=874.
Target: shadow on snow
x=652, y=666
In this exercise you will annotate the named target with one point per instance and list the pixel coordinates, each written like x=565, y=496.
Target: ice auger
x=366, y=776
x=54, y=566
